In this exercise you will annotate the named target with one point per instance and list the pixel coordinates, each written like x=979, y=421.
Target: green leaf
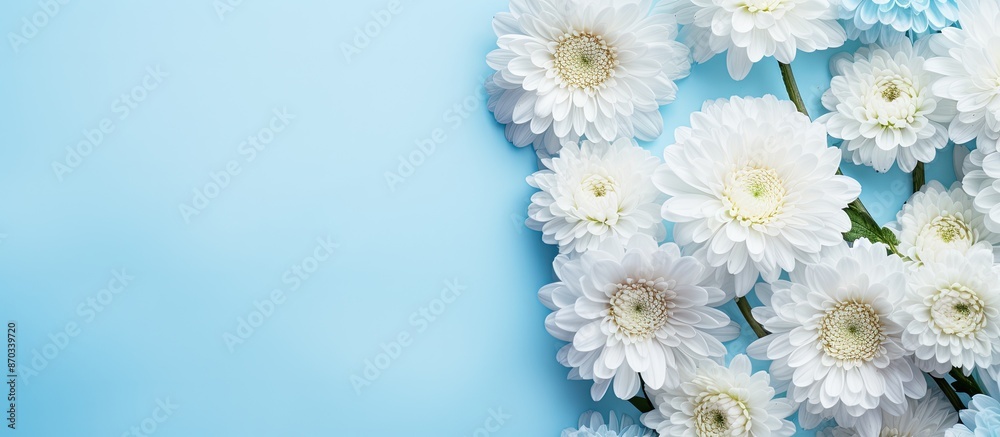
x=965, y=384
x=889, y=237
x=862, y=226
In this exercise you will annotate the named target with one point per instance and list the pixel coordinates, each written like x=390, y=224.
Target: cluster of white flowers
x=752, y=188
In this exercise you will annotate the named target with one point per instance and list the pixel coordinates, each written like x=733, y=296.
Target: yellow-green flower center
x=721, y=415
x=949, y=228
x=958, y=310
x=893, y=102
x=851, y=331
x=754, y=195
x=599, y=185
x=639, y=309
x=890, y=92
x=584, y=60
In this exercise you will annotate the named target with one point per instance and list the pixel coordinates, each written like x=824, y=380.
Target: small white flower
x=835, y=341
x=930, y=416
x=753, y=29
x=883, y=108
x=592, y=425
x=935, y=220
x=714, y=400
x=968, y=60
x=572, y=68
x=596, y=193
x=982, y=182
x=642, y=309
x=753, y=188
x=952, y=312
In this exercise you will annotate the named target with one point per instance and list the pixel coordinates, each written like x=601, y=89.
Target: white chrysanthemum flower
x=753, y=29
x=592, y=425
x=569, y=68
x=889, y=21
x=982, y=182
x=754, y=188
x=968, y=60
x=935, y=220
x=883, y=108
x=952, y=312
x=714, y=400
x=930, y=416
x=641, y=309
x=835, y=340
x=596, y=193
x=981, y=419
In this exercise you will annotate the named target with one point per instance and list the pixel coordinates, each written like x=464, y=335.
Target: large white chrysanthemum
x=883, y=108
x=640, y=310
x=568, y=68
x=753, y=29
x=982, y=182
x=930, y=416
x=835, y=341
x=714, y=400
x=970, y=63
x=596, y=193
x=951, y=312
x=592, y=425
x=936, y=219
x=754, y=188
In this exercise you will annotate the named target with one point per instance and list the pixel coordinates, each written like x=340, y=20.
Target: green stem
x=950, y=394
x=966, y=381
x=747, y=312
x=793, y=89
x=793, y=93
x=918, y=177
x=642, y=404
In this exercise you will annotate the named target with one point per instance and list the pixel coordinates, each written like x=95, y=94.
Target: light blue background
x=457, y=216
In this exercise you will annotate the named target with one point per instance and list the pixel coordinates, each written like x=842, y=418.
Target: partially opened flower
x=982, y=419
x=882, y=107
x=888, y=21
x=596, y=193
x=935, y=220
x=982, y=182
x=572, y=68
x=930, y=416
x=750, y=30
x=714, y=400
x=968, y=60
x=952, y=312
x=835, y=341
x=592, y=425
x=639, y=310
x=754, y=188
